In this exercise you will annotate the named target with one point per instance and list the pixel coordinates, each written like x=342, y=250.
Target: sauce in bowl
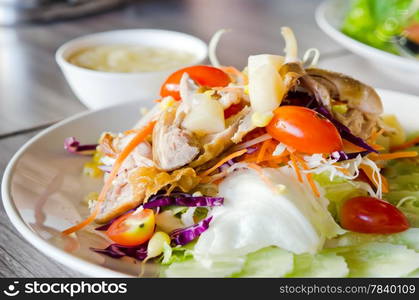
x=130, y=58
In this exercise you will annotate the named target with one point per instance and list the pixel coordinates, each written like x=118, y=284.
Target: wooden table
x=34, y=94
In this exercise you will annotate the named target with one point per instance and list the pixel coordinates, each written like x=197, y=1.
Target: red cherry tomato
x=133, y=228
x=304, y=129
x=203, y=75
x=232, y=110
x=412, y=32
x=371, y=215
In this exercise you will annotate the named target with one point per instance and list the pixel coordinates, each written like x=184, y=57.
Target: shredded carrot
x=233, y=72
x=222, y=161
x=218, y=181
x=384, y=183
x=374, y=136
x=277, y=159
x=131, y=131
x=350, y=147
x=376, y=147
x=157, y=100
x=295, y=165
x=408, y=144
x=312, y=184
x=259, y=170
x=309, y=177
x=250, y=159
x=262, y=151
x=343, y=170
x=370, y=174
x=139, y=138
x=251, y=156
x=394, y=155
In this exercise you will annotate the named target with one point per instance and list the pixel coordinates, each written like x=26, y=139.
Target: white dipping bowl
x=97, y=89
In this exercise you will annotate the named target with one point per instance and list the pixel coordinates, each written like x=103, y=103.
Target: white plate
x=43, y=186
x=330, y=15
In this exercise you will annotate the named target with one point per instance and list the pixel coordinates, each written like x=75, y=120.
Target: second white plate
x=330, y=15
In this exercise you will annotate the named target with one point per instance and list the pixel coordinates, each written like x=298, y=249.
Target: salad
x=280, y=170
x=392, y=25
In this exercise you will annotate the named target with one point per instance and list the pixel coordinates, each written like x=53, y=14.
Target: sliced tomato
x=202, y=75
x=372, y=215
x=132, y=228
x=304, y=130
x=232, y=110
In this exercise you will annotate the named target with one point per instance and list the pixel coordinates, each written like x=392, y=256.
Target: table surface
x=34, y=94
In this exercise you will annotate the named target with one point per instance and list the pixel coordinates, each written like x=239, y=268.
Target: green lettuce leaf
x=337, y=191
x=179, y=254
x=368, y=21
x=403, y=179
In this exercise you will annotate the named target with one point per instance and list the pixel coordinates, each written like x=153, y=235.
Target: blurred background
x=34, y=93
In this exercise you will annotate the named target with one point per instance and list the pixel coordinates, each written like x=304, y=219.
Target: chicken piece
x=245, y=126
x=119, y=199
x=363, y=103
x=344, y=88
x=173, y=147
x=123, y=196
x=215, y=144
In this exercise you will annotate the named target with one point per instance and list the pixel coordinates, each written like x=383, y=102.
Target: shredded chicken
x=123, y=196
x=363, y=103
x=173, y=146
x=215, y=144
x=344, y=88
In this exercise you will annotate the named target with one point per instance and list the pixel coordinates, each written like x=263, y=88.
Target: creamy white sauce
x=130, y=58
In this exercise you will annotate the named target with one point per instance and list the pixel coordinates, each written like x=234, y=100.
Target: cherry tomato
x=412, y=32
x=371, y=215
x=203, y=75
x=304, y=129
x=133, y=228
x=232, y=110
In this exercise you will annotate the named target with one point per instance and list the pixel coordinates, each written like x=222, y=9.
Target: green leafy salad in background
x=377, y=22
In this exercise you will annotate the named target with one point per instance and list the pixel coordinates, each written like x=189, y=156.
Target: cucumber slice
x=414, y=274
x=409, y=238
x=267, y=262
x=381, y=260
x=192, y=268
x=319, y=265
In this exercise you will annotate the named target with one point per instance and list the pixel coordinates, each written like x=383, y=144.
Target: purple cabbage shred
x=186, y=235
x=344, y=131
x=72, y=145
x=342, y=156
x=182, y=199
x=117, y=251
